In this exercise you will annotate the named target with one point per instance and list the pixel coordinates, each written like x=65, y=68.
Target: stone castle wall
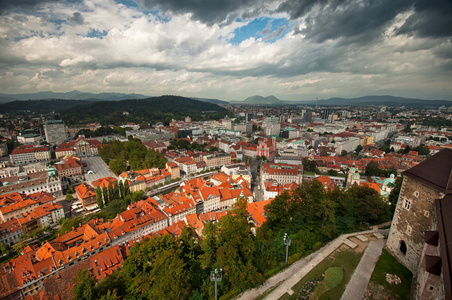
x=415, y=213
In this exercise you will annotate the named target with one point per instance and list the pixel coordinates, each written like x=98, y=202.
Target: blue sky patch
x=97, y=33
x=128, y=3
x=269, y=29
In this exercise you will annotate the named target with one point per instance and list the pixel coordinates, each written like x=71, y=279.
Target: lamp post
x=287, y=242
x=216, y=275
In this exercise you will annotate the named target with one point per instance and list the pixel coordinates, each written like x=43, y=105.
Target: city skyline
x=229, y=49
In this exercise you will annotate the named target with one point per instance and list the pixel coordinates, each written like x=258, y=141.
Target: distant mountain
x=259, y=100
x=380, y=100
x=214, y=101
x=74, y=95
x=41, y=106
x=155, y=109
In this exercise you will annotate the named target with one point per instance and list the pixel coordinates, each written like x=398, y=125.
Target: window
x=407, y=204
x=403, y=247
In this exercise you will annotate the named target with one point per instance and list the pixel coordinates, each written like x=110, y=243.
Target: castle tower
x=422, y=226
x=353, y=176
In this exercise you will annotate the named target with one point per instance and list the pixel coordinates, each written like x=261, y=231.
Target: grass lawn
x=346, y=259
x=388, y=264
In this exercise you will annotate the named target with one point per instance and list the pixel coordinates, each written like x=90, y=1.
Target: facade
x=16, y=210
x=217, y=160
x=421, y=227
x=80, y=146
x=29, y=154
x=86, y=194
x=10, y=232
x=43, y=181
x=69, y=168
x=267, y=148
x=55, y=131
x=29, y=136
x=3, y=149
x=281, y=173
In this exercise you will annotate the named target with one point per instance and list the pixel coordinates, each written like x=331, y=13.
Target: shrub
x=334, y=276
x=317, y=246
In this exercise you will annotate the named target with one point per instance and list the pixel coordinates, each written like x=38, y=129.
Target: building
x=80, y=147
x=86, y=194
x=10, y=232
x=29, y=136
x=55, y=130
x=217, y=160
x=69, y=168
x=422, y=228
x=267, y=148
x=3, y=149
x=29, y=154
x=43, y=181
x=16, y=210
x=281, y=173
x=174, y=169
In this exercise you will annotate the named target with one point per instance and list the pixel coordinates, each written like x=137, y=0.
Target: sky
x=228, y=49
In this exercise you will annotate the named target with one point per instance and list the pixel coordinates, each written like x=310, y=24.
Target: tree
x=100, y=202
x=358, y=149
x=372, y=168
x=394, y=195
x=105, y=195
x=332, y=172
x=126, y=188
x=309, y=165
x=111, y=192
x=344, y=153
x=236, y=250
x=84, y=285
x=69, y=198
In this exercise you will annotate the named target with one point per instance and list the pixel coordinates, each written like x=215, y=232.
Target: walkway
x=288, y=278
x=360, y=279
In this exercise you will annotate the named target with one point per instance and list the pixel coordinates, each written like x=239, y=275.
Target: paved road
x=357, y=285
x=97, y=165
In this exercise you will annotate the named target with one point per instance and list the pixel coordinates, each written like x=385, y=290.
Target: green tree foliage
x=105, y=195
x=151, y=110
x=372, y=168
x=309, y=165
x=236, y=250
x=155, y=269
x=117, y=153
x=394, y=195
x=332, y=172
x=358, y=149
x=100, y=202
x=84, y=285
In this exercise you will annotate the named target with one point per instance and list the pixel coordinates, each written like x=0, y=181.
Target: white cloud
x=130, y=51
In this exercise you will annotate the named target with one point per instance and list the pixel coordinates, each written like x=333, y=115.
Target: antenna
x=317, y=103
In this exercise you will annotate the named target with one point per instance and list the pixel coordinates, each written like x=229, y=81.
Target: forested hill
x=41, y=106
x=155, y=109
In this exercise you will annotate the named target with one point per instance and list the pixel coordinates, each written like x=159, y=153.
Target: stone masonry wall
x=414, y=214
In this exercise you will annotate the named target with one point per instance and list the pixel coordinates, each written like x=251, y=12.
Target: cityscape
x=232, y=150
x=248, y=196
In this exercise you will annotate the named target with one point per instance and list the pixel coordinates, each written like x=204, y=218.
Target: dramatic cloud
x=296, y=50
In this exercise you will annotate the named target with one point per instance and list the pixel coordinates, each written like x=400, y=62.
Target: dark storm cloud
x=357, y=21
x=24, y=4
x=431, y=19
x=206, y=11
x=77, y=18
x=363, y=21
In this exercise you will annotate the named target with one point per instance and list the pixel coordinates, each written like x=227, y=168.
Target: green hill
x=155, y=109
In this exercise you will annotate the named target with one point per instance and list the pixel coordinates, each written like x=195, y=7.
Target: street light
x=287, y=242
x=216, y=276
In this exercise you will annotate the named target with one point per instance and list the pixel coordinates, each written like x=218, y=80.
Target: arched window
x=403, y=247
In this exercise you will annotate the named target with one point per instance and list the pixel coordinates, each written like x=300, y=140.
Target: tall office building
x=55, y=130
